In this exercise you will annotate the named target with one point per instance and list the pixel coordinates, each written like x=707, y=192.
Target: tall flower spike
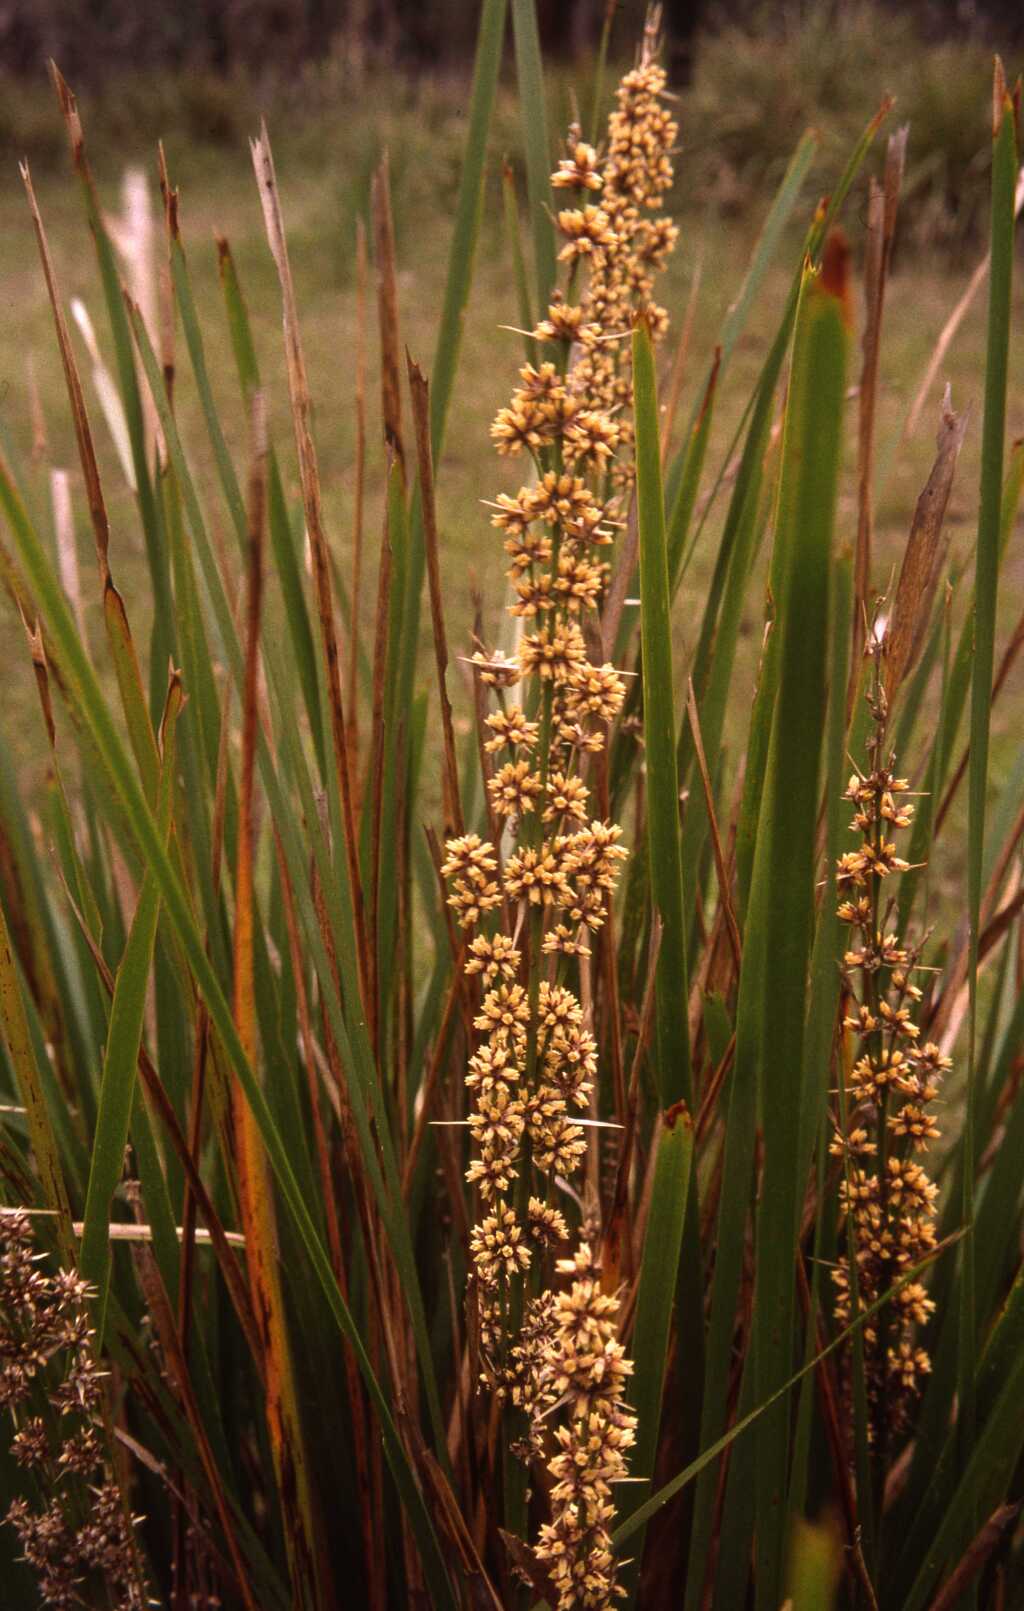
x=531, y=911
x=886, y=1200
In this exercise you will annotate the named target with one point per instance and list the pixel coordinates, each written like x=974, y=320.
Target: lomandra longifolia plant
x=611, y=1199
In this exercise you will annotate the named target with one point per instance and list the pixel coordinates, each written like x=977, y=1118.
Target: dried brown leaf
x=924, y=555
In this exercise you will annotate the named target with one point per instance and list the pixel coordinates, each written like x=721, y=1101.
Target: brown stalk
x=79, y=414
x=419, y=389
x=607, y=956
x=712, y=1090
x=923, y=557
x=466, y=997
x=460, y=992
x=386, y=1299
x=883, y=202
x=1010, y=654
x=368, y=1506
x=429, y=1085
x=165, y=319
x=185, y=1498
x=999, y=1525
x=298, y=387
x=1005, y=1102
x=952, y=325
x=188, y=1207
x=311, y=1063
x=451, y=1525
x=387, y=313
x=159, y=1306
x=119, y=635
x=949, y=1008
x=37, y=654
x=40, y=445
x=825, y=1378
x=304, y=1538
x=375, y=780
x=403, y=945
x=358, y=501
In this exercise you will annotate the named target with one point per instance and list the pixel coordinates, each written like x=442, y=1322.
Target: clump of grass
x=502, y=1226
x=783, y=67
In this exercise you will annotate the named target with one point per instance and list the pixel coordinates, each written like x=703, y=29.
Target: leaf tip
x=678, y=1113
x=835, y=273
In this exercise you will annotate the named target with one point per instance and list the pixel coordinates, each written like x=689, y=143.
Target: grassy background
x=751, y=95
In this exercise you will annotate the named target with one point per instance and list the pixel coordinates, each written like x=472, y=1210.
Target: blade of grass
x=536, y=144
x=807, y=506
x=1004, y=175
x=358, y=497
x=658, y=1277
x=163, y=646
x=883, y=201
x=671, y=1061
x=420, y=392
x=665, y=865
x=468, y=212
x=124, y=1037
x=514, y=242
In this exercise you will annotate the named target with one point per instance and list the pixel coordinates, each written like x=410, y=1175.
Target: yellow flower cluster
x=584, y=1366
x=636, y=174
x=531, y=898
x=886, y=1198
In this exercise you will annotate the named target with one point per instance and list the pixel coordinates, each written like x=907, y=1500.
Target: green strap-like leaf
x=655, y=1296
x=785, y=861
x=672, y=1040
x=1004, y=180
x=121, y=1057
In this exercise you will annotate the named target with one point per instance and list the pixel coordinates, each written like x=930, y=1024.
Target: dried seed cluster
x=533, y=900
x=51, y=1387
x=886, y=1197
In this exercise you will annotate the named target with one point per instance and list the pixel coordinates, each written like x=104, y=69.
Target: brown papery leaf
x=924, y=555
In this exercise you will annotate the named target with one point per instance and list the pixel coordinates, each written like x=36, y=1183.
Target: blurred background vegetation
x=339, y=84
